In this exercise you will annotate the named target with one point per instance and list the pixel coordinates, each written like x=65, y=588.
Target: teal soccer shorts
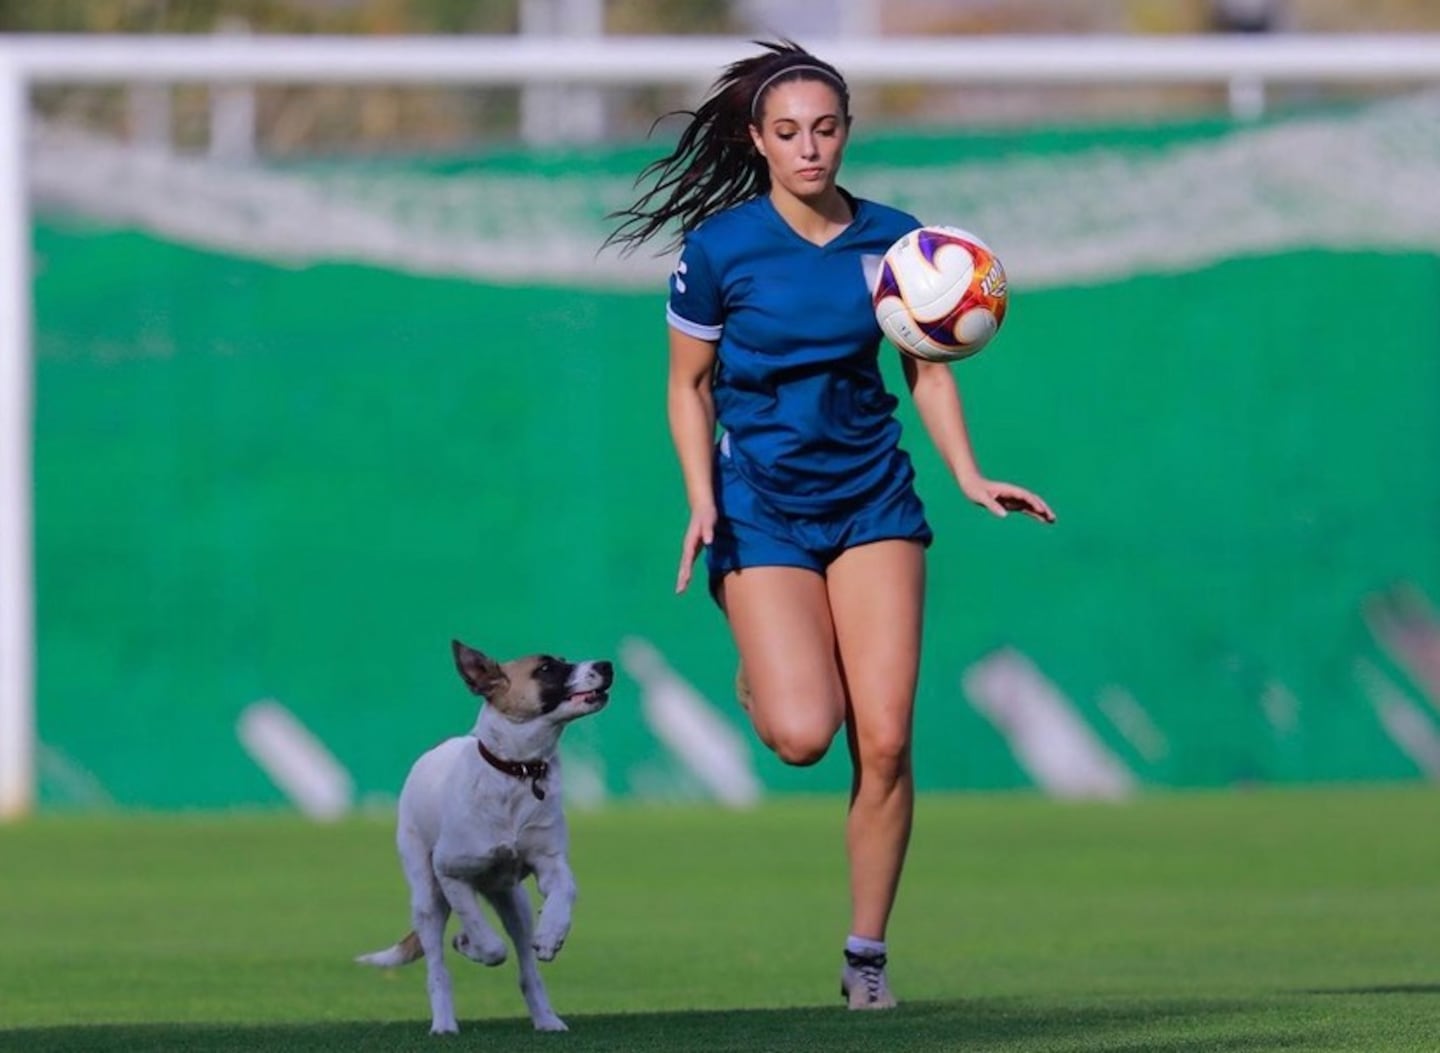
x=751, y=532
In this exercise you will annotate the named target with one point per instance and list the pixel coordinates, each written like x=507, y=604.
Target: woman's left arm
x=937, y=398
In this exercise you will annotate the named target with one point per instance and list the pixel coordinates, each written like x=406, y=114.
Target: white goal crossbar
x=1029, y=60
x=1251, y=60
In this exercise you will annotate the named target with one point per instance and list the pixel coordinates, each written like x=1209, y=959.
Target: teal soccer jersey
x=798, y=391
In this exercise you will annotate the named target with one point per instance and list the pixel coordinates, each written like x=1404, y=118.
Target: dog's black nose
x=606, y=670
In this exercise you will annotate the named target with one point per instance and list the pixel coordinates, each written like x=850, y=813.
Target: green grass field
x=1295, y=920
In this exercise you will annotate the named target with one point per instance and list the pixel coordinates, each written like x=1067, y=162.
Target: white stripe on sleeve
x=689, y=328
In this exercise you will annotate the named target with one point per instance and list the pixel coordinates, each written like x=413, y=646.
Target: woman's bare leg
x=877, y=594
x=780, y=618
x=818, y=652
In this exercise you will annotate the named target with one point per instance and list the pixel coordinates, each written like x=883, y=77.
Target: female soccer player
x=814, y=536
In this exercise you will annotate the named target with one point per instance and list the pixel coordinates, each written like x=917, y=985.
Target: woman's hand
x=1004, y=498
x=698, y=534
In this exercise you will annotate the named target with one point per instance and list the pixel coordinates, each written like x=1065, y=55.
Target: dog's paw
x=547, y=947
x=488, y=952
x=550, y=1022
x=444, y=1027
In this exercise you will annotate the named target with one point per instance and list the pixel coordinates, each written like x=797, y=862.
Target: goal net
x=1079, y=208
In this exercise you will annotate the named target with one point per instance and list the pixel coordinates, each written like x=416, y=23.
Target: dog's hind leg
x=428, y=913
x=430, y=927
x=513, y=907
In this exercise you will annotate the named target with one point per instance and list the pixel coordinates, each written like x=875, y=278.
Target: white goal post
x=1245, y=63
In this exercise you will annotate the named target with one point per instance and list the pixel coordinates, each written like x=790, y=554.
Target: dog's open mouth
x=590, y=698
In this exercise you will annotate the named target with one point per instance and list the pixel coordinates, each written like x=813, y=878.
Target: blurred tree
x=670, y=16
x=1246, y=16
x=678, y=16
x=339, y=16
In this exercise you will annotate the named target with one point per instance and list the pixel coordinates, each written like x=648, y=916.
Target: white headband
x=825, y=74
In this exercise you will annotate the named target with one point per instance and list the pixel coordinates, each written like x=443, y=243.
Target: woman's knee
x=883, y=754
x=800, y=743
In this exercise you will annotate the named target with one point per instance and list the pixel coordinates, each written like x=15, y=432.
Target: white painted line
x=1406, y=723
x=296, y=760
x=690, y=727
x=1047, y=735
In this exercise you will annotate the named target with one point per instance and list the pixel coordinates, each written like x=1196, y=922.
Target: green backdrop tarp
x=257, y=481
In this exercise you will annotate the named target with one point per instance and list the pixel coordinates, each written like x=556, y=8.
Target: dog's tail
x=403, y=953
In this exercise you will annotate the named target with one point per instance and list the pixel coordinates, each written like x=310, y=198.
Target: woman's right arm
x=691, y=407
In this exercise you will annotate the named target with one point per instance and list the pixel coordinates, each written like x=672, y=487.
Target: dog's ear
x=483, y=675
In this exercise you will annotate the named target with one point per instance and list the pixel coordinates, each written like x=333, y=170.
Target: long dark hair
x=714, y=165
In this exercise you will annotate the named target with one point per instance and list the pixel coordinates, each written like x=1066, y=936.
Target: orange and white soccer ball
x=940, y=294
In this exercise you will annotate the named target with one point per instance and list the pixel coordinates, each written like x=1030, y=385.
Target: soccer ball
x=941, y=294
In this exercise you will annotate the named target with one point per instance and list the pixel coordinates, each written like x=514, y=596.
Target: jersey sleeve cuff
x=689, y=328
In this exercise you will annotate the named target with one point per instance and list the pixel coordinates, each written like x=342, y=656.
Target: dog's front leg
x=513, y=907
x=557, y=886
x=476, y=940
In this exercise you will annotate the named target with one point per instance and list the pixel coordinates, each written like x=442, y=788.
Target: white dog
x=482, y=812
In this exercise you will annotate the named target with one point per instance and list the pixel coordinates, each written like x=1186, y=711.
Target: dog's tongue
x=583, y=696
